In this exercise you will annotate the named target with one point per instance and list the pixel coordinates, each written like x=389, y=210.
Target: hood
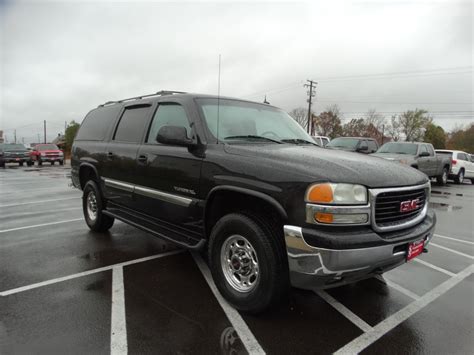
x=320, y=164
x=50, y=151
x=15, y=151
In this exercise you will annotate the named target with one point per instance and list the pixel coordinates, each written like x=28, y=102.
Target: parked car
x=245, y=182
x=47, y=153
x=462, y=167
x=15, y=153
x=321, y=140
x=421, y=156
x=354, y=144
x=2, y=161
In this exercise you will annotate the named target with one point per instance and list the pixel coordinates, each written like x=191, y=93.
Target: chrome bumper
x=312, y=267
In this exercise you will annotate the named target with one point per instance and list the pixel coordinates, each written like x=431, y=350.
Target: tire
x=52, y=162
x=29, y=163
x=260, y=248
x=20, y=163
x=61, y=162
x=40, y=162
x=443, y=178
x=92, y=207
x=459, y=178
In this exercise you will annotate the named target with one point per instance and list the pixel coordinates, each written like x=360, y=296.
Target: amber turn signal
x=324, y=217
x=321, y=193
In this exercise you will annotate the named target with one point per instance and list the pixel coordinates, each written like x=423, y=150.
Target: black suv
x=246, y=182
x=354, y=144
x=14, y=153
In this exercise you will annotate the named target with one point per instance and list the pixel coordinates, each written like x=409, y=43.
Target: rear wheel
x=29, y=163
x=61, y=162
x=459, y=179
x=92, y=205
x=40, y=162
x=443, y=178
x=247, y=260
x=21, y=163
x=52, y=162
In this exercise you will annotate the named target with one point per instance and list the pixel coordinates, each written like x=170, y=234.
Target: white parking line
x=344, y=310
x=41, y=201
x=366, y=339
x=41, y=225
x=434, y=267
x=40, y=211
x=57, y=187
x=452, y=250
x=118, y=326
x=85, y=273
x=242, y=329
x=455, y=239
x=402, y=289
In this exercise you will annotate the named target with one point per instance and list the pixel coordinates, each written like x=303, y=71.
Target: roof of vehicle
x=450, y=151
x=408, y=143
x=368, y=138
x=158, y=96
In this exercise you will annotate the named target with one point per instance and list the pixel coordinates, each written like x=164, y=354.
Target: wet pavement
x=65, y=289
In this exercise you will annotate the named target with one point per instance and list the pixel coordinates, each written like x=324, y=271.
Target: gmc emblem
x=410, y=205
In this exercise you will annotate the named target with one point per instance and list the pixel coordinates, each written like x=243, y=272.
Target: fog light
x=323, y=217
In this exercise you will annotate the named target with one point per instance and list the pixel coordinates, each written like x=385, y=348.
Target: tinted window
x=363, y=144
x=372, y=146
x=462, y=156
x=343, y=143
x=325, y=141
x=168, y=115
x=423, y=149
x=97, y=123
x=132, y=124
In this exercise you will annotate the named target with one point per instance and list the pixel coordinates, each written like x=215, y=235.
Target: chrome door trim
x=163, y=196
x=119, y=184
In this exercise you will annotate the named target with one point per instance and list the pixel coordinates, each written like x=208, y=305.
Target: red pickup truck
x=47, y=153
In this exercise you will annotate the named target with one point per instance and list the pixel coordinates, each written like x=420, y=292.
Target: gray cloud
x=59, y=60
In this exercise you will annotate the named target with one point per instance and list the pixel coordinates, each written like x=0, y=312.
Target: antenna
x=218, y=96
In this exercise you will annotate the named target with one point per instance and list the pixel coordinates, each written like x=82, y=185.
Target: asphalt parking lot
x=64, y=289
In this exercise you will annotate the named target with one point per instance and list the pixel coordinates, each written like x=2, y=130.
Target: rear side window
x=430, y=150
x=168, y=115
x=372, y=146
x=462, y=156
x=132, y=124
x=325, y=141
x=97, y=123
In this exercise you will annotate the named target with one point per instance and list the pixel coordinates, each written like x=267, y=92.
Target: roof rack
x=159, y=93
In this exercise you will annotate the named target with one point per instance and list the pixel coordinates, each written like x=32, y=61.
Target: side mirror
x=424, y=154
x=173, y=135
x=363, y=149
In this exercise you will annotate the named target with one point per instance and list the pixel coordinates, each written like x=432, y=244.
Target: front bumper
x=316, y=267
x=16, y=160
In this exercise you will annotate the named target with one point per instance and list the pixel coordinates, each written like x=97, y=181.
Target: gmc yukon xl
x=243, y=182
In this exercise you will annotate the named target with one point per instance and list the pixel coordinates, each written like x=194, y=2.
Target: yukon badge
x=186, y=191
x=410, y=205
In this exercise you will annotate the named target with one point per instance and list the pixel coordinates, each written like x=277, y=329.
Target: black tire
x=52, y=162
x=21, y=163
x=459, y=178
x=443, y=178
x=101, y=222
x=40, y=162
x=29, y=163
x=272, y=284
x=61, y=162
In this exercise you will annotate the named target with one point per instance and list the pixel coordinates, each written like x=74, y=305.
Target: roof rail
x=159, y=93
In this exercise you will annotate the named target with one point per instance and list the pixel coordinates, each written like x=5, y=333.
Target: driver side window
x=168, y=114
x=423, y=149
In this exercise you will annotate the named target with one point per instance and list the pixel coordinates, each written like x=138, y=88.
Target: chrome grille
x=388, y=210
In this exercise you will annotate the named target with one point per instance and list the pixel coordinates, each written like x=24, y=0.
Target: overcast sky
x=61, y=59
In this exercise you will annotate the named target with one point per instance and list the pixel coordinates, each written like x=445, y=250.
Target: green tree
x=70, y=134
x=462, y=139
x=435, y=135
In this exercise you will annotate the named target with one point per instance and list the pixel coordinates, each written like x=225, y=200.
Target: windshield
x=343, y=143
x=398, y=148
x=47, y=147
x=14, y=147
x=246, y=121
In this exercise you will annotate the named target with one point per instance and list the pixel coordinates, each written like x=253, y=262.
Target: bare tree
x=300, y=115
x=394, y=129
x=413, y=124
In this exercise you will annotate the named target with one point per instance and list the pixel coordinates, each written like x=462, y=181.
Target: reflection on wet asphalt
x=168, y=305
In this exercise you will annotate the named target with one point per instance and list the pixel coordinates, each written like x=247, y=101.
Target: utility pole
x=312, y=84
x=44, y=123
x=14, y=135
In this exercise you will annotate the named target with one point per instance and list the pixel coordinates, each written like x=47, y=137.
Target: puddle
x=444, y=206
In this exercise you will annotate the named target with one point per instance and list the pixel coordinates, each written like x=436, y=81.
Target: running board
x=149, y=227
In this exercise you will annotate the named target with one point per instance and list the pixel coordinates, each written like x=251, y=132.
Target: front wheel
x=21, y=163
x=61, y=162
x=459, y=179
x=40, y=162
x=443, y=178
x=248, y=264
x=92, y=206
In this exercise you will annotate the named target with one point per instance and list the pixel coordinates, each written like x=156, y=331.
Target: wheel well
x=225, y=202
x=86, y=173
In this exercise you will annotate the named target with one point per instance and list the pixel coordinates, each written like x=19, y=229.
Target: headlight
x=337, y=194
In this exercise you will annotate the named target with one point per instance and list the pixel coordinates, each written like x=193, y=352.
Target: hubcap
x=239, y=263
x=445, y=177
x=91, y=206
x=461, y=176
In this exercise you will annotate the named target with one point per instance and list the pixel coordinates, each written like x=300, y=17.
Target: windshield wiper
x=250, y=136
x=298, y=141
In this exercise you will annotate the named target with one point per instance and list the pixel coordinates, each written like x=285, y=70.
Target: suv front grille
x=389, y=209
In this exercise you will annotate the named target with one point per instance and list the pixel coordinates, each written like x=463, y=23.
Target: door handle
x=142, y=158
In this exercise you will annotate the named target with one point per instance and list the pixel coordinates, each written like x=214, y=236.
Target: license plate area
x=415, y=249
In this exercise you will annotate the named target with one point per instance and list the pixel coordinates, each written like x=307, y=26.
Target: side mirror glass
x=173, y=135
